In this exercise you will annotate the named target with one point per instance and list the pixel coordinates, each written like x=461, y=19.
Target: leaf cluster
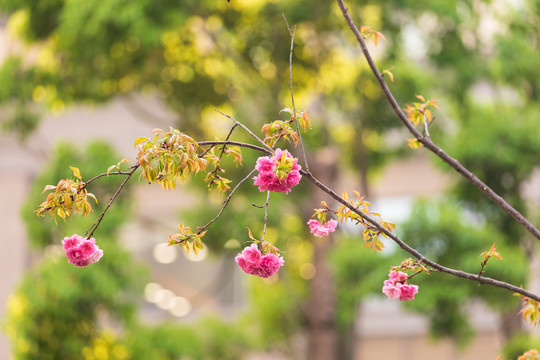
x=171, y=156
x=371, y=233
x=69, y=197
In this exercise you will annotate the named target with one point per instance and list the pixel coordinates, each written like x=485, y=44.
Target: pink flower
x=252, y=255
x=87, y=248
x=278, y=173
x=94, y=258
x=71, y=242
x=252, y=262
x=265, y=181
x=407, y=292
x=397, y=276
x=80, y=251
x=397, y=288
x=265, y=164
x=294, y=178
x=271, y=263
x=391, y=290
x=319, y=229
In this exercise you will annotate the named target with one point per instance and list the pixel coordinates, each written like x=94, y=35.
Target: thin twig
x=265, y=214
x=218, y=168
x=96, y=223
x=292, y=93
x=267, y=151
x=247, y=130
x=486, y=190
x=416, y=253
x=426, y=127
x=86, y=183
x=225, y=202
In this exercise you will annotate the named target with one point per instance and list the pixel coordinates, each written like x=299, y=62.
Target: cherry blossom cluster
x=319, y=229
x=80, y=251
x=396, y=286
x=253, y=262
x=278, y=173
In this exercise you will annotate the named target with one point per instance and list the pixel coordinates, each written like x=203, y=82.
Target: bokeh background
x=81, y=80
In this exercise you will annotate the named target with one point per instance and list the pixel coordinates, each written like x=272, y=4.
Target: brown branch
x=96, y=223
x=223, y=148
x=225, y=203
x=395, y=238
x=416, y=253
x=237, y=143
x=247, y=130
x=265, y=214
x=486, y=190
x=86, y=183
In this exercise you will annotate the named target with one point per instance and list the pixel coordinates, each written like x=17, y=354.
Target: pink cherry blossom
x=396, y=287
x=252, y=262
x=278, y=173
x=391, y=290
x=265, y=164
x=252, y=255
x=397, y=276
x=71, y=242
x=319, y=229
x=408, y=292
x=80, y=251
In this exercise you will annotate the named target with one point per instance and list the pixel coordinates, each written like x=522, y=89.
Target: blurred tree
x=59, y=309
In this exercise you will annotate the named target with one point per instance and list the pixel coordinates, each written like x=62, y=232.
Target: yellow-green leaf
x=76, y=172
x=140, y=140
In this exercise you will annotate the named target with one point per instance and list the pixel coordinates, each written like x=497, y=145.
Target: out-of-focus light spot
x=132, y=44
x=232, y=244
x=307, y=271
x=165, y=299
x=151, y=291
x=180, y=306
x=201, y=255
x=39, y=93
x=213, y=23
x=116, y=50
x=57, y=107
x=165, y=254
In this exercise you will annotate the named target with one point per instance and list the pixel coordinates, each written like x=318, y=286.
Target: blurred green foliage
x=59, y=309
x=519, y=344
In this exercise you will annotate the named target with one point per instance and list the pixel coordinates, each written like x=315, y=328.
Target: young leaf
x=76, y=172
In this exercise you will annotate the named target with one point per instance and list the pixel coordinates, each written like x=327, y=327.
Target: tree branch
x=267, y=151
x=225, y=202
x=414, y=252
x=486, y=190
x=96, y=223
x=247, y=130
